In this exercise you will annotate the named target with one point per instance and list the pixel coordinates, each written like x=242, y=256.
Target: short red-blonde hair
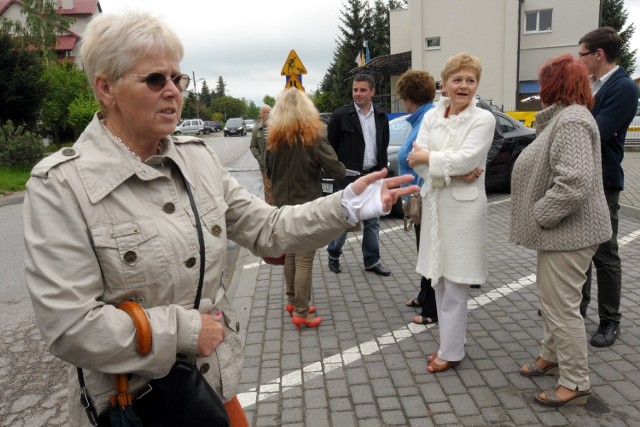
x=565, y=80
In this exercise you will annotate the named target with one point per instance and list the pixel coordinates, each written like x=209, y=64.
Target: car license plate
x=327, y=187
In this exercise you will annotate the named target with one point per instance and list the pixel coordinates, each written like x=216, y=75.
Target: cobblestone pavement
x=365, y=365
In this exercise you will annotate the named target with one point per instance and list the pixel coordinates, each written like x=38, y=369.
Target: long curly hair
x=293, y=120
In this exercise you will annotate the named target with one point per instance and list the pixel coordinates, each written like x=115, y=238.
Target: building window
x=538, y=21
x=432, y=43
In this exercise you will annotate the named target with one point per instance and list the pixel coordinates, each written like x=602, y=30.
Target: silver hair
x=114, y=42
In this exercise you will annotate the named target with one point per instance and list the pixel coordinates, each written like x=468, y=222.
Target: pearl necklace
x=124, y=146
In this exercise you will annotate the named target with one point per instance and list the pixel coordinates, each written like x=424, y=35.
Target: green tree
x=228, y=106
x=336, y=81
x=205, y=94
x=64, y=82
x=19, y=148
x=252, y=111
x=189, y=106
x=81, y=112
x=42, y=24
x=221, y=88
x=615, y=15
x=359, y=23
x=269, y=100
x=21, y=88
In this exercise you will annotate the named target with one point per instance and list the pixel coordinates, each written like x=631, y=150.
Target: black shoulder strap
x=85, y=400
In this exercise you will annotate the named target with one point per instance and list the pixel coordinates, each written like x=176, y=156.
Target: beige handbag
x=412, y=208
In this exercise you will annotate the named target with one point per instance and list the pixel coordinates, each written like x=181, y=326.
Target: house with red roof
x=81, y=11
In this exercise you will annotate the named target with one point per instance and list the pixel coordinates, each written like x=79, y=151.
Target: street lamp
x=195, y=91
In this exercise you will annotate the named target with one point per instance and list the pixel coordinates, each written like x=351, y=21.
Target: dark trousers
x=608, y=270
x=426, y=296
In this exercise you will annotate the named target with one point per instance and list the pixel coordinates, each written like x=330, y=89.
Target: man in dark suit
x=360, y=137
x=616, y=97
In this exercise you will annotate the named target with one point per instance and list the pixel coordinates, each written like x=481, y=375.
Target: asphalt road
x=32, y=381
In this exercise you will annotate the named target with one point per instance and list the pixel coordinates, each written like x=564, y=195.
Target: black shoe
x=334, y=265
x=606, y=334
x=379, y=270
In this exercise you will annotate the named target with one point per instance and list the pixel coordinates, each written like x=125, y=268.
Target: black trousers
x=608, y=270
x=426, y=296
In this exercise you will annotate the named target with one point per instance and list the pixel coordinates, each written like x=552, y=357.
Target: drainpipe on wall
x=600, y=14
x=518, y=54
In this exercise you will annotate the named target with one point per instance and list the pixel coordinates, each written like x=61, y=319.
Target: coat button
x=130, y=257
x=169, y=208
x=216, y=230
x=68, y=152
x=204, y=368
x=190, y=262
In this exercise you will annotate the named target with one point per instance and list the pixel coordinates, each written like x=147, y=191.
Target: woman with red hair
x=558, y=208
x=297, y=151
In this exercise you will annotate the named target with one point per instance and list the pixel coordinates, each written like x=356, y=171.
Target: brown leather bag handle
x=141, y=322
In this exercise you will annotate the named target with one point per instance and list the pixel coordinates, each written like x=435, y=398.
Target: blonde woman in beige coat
x=109, y=220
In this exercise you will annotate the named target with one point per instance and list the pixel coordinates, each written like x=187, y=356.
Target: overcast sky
x=247, y=41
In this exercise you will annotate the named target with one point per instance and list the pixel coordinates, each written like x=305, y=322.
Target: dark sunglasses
x=157, y=81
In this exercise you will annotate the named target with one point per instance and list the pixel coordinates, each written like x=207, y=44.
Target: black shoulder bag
x=182, y=398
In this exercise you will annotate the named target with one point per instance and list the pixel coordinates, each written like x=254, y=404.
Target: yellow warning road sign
x=294, y=81
x=293, y=65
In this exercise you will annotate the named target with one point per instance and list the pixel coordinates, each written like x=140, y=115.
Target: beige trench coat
x=102, y=227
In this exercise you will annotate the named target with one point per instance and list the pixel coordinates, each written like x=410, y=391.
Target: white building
x=512, y=38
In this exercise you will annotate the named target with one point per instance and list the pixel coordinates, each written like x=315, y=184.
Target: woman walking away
x=296, y=154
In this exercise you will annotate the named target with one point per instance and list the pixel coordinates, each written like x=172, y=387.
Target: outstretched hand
x=390, y=191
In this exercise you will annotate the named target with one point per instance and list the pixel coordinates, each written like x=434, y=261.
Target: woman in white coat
x=454, y=139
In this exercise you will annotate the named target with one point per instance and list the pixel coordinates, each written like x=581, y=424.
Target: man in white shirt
x=359, y=134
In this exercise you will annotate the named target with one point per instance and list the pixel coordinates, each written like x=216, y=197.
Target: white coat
x=453, y=233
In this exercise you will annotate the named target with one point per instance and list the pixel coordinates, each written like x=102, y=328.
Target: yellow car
x=527, y=118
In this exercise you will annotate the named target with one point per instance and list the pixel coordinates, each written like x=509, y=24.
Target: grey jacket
x=102, y=227
x=557, y=197
x=258, y=144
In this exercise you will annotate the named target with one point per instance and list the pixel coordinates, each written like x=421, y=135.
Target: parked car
x=190, y=126
x=235, y=126
x=509, y=139
x=211, y=127
x=249, y=123
x=325, y=117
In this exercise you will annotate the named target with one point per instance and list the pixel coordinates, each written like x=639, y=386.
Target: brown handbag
x=412, y=209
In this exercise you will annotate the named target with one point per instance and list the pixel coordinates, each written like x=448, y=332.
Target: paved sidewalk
x=365, y=365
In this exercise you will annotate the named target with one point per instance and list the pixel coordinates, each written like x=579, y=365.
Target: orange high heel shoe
x=290, y=308
x=309, y=322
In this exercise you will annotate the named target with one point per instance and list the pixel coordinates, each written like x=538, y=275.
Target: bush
x=19, y=148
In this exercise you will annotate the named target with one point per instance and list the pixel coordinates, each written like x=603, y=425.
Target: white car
x=190, y=126
x=249, y=123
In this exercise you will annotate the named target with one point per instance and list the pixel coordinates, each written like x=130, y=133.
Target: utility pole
x=195, y=92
